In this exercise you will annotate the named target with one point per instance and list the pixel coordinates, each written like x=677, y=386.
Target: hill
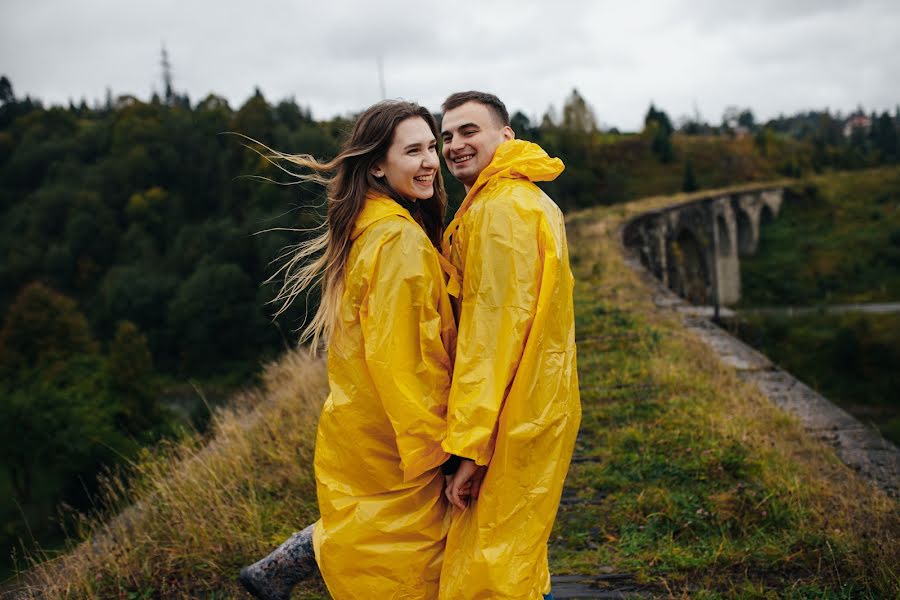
x=686, y=481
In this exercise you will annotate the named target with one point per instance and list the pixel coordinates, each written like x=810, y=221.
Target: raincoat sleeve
x=502, y=274
x=404, y=350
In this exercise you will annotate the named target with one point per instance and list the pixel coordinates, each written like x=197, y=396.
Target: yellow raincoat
x=383, y=514
x=514, y=401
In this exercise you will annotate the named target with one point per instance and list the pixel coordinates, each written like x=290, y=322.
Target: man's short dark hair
x=491, y=101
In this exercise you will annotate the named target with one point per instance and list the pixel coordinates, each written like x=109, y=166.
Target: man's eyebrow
x=463, y=126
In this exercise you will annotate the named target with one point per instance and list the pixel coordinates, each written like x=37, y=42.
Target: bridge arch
x=688, y=268
x=725, y=247
x=766, y=215
x=744, y=232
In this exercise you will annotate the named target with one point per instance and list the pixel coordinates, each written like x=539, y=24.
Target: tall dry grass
x=190, y=513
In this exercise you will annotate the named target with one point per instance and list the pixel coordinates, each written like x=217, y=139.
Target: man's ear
x=508, y=133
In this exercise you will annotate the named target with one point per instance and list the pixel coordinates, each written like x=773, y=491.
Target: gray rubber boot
x=273, y=577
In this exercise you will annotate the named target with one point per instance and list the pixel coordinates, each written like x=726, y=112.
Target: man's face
x=471, y=133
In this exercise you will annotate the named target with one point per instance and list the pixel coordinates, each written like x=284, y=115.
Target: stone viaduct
x=694, y=248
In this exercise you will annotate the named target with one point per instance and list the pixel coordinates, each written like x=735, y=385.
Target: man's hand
x=465, y=483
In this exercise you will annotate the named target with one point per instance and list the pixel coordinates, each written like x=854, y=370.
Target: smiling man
x=514, y=408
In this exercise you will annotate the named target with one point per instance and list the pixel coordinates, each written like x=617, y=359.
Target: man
x=514, y=408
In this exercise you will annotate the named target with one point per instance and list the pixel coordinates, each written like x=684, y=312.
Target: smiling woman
x=389, y=325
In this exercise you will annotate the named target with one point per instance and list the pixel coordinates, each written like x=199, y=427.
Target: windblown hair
x=348, y=179
x=490, y=100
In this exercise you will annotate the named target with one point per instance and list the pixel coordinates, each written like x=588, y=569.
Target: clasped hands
x=465, y=484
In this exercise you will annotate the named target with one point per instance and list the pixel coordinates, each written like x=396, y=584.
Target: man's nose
x=454, y=144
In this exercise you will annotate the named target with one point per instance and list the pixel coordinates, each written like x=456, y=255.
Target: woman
x=390, y=330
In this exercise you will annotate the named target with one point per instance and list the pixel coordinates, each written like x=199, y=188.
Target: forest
x=137, y=238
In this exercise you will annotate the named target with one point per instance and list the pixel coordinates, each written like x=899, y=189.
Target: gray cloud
x=772, y=55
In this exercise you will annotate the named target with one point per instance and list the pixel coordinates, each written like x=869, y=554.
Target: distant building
x=857, y=122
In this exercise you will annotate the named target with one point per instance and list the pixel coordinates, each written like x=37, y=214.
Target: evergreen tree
x=130, y=369
x=658, y=129
x=6, y=91
x=689, y=181
x=578, y=116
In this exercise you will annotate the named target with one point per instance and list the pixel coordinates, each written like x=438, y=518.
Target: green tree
x=130, y=367
x=6, y=91
x=689, y=180
x=215, y=316
x=577, y=115
x=886, y=139
x=658, y=130
x=58, y=426
x=42, y=326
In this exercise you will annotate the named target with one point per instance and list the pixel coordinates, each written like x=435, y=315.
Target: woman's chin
x=419, y=196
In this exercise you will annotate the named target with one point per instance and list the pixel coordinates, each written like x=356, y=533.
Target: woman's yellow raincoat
x=383, y=514
x=514, y=401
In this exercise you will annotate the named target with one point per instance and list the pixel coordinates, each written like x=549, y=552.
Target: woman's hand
x=465, y=483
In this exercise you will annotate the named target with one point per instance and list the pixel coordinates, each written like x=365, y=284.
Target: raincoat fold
x=514, y=402
x=378, y=445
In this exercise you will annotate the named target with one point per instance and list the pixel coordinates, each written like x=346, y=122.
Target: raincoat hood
x=520, y=159
x=513, y=159
x=375, y=209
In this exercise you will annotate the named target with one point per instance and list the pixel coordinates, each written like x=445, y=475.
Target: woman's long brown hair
x=348, y=179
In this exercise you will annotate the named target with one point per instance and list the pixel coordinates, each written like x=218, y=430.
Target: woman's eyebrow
x=417, y=144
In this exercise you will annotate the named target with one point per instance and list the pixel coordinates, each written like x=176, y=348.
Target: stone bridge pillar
x=695, y=248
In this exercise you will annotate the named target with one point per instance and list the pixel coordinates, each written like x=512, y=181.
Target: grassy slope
x=697, y=482
x=848, y=250
x=684, y=476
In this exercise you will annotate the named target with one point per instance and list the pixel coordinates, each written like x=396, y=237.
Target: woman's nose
x=431, y=160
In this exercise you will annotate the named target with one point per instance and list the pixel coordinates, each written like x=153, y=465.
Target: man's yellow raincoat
x=383, y=514
x=514, y=401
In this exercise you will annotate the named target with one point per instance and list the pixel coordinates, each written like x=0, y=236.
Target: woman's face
x=411, y=162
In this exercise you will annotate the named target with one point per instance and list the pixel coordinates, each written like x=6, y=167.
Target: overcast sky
x=771, y=55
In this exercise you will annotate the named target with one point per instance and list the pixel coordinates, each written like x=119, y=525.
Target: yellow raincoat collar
x=514, y=159
x=380, y=207
x=376, y=208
